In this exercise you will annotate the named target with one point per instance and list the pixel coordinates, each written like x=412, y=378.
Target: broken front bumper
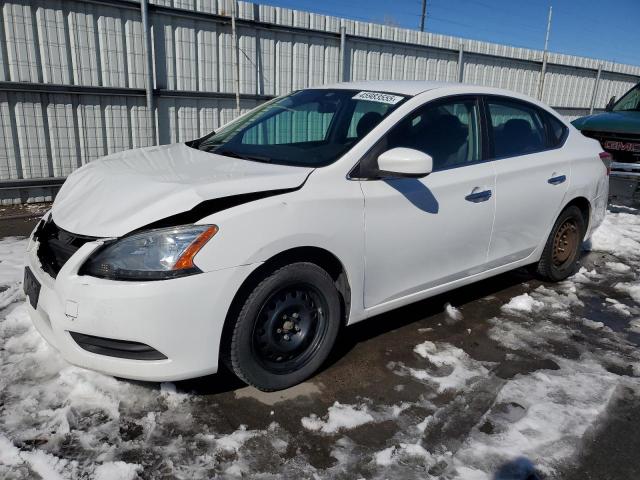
x=164, y=330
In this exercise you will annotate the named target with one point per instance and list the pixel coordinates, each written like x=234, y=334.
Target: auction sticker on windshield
x=378, y=97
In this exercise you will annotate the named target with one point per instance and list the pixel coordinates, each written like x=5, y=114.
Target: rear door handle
x=477, y=197
x=557, y=180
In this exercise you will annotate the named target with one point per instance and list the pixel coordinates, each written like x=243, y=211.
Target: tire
x=561, y=252
x=286, y=327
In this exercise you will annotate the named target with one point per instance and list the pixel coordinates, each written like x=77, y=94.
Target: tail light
x=606, y=159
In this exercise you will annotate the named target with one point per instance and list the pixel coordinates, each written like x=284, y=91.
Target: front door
x=421, y=233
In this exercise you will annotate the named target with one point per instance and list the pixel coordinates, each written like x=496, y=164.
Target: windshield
x=630, y=101
x=310, y=128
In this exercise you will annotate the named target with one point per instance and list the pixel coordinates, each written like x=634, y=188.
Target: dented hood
x=128, y=190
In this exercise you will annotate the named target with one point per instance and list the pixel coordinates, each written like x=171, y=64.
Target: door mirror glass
x=405, y=162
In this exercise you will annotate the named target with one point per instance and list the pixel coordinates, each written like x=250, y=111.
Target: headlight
x=151, y=255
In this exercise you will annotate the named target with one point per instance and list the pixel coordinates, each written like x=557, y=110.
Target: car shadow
x=416, y=192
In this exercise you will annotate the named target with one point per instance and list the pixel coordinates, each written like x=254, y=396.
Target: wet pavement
x=509, y=378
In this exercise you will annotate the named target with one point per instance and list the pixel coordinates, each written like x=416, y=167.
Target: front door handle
x=477, y=197
x=557, y=180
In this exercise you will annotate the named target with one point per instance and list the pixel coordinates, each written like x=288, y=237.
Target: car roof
x=401, y=87
x=416, y=87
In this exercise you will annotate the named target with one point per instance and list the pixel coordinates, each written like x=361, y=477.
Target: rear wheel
x=562, y=249
x=286, y=327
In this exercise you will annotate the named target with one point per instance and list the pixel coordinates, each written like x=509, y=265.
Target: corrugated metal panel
x=376, y=61
x=612, y=84
x=182, y=119
x=77, y=43
x=568, y=87
x=514, y=75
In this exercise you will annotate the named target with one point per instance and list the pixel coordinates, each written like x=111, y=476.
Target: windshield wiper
x=231, y=153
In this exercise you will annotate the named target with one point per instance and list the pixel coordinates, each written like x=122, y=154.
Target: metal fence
x=74, y=84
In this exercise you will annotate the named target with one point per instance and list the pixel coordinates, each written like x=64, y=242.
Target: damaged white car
x=257, y=243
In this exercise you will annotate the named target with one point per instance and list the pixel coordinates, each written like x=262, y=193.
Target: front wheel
x=286, y=327
x=562, y=249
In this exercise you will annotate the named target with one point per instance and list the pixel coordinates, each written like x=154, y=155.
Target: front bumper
x=182, y=318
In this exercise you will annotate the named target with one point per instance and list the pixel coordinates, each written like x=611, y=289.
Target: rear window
x=517, y=128
x=556, y=131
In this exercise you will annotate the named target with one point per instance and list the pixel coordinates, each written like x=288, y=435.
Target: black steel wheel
x=290, y=327
x=286, y=327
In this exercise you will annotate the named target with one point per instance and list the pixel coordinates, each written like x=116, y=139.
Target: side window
x=448, y=131
x=517, y=129
x=557, y=131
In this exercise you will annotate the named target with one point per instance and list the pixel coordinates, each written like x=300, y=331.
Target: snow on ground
x=49, y=406
x=58, y=421
x=619, y=235
x=558, y=406
x=453, y=313
x=449, y=368
x=11, y=260
x=339, y=417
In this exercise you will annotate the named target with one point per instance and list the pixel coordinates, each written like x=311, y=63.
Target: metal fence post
x=234, y=55
x=544, y=56
x=596, y=85
x=461, y=63
x=343, y=42
x=149, y=61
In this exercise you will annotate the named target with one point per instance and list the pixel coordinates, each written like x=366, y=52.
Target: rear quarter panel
x=589, y=177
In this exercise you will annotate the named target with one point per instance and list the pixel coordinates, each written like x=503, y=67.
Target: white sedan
x=257, y=243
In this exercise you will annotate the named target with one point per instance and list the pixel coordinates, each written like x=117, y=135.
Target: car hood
x=119, y=193
x=615, y=122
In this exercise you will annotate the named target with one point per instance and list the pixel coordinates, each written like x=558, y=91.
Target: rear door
x=424, y=232
x=532, y=176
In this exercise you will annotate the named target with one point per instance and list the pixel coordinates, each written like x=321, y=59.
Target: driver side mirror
x=405, y=162
x=609, y=106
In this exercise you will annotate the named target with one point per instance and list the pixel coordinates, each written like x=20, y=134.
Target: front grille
x=627, y=139
x=116, y=348
x=56, y=246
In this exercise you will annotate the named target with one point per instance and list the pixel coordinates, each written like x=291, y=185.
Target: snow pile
x=402, y=452
x=12, y=252
x=634, y=325
x=453, y=313
x=556, y=407
x=523, y=303
x=617, y=267
x=617, y=306
x=631, y=288
x=619, y=235
x=50, y=402
x=117, y=471
x=43, y=464
x=449, y=367
x=50, y=406
x=339, y=417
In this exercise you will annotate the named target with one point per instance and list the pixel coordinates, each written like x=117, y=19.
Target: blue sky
x=605, y=29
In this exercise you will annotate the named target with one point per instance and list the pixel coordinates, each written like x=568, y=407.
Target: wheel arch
x=584, y=206
x=316, y=255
